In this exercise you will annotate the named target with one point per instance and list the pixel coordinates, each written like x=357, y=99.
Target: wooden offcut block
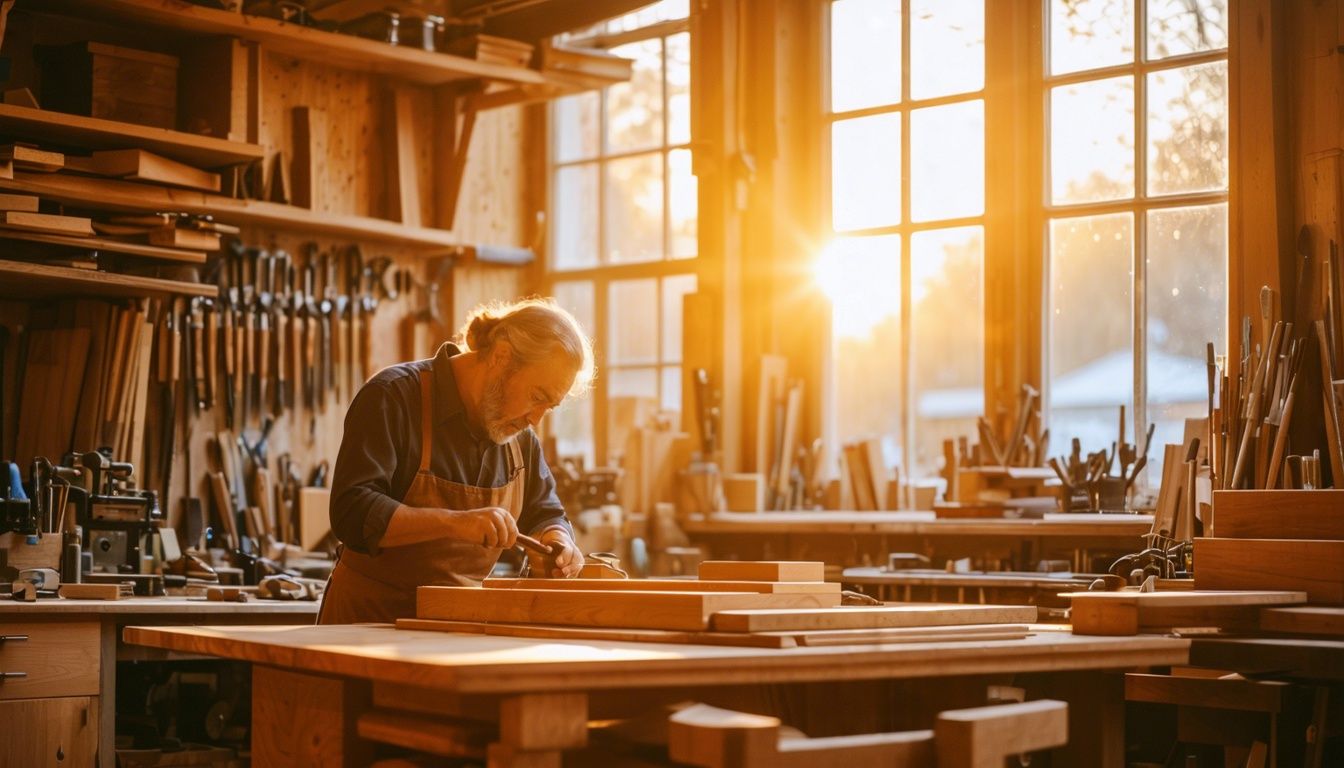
x=876, y=617
x=763, y=570
x=1303, y=621
x=744, y=492
x=177, y=237
x=1279, y=514
x=1129, y=612
x=314, y=516
x=1315, y=567
x=669, y=585
x=591, y=608
x=91, y=591
x=46, y=222
x=28, y=158
x=12, y=202
x=139, y=165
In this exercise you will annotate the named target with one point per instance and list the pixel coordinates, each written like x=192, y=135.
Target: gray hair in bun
x=535, y=329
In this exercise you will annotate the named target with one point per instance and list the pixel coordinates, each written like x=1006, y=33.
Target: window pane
x=1187, y=309
x=679, y=88
x=1187, y=129
x=1092, y=141
x=1089, y=34
x=635, y=108
x=683, y=207
x=577, y=131
x=947, y=161
x=1181, y=26
x=947, y=358
x=1091, y=328
x=947, y=47
x=674, y=288
x=577, y=297
x=865, y=53
x=866, y=172
x=572, y=422
x=671, y=393
x=862, y=277
x=634, y=329
x=665, y=10
x=634, y=209
x=575, y=202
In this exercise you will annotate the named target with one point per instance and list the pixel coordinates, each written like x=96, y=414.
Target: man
x=439, y=469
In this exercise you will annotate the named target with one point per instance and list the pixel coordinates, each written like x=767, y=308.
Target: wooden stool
x=966, y=738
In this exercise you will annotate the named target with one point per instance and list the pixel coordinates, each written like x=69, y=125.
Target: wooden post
x=534, y=729
x=306, y=720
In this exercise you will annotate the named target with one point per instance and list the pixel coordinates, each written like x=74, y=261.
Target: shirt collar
x=447, y=400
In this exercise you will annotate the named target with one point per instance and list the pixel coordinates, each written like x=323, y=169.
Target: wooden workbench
x=72, y=648
x=314, y=684
x=850, y=538
x=930, y=585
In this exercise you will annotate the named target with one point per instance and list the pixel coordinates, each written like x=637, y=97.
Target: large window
x=907, y=179
x=624, y=224
x=1136, y=213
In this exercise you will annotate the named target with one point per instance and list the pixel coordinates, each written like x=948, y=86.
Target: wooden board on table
x=669, y=585
x=876, y=617
x=595, y=608
x=1316, y=620
x=1311, y=565
x=16, y=202
x=763, y=570
x=1130, y=612
x=177, y=237
x=604, y=635
x=46, y=222
x=31, y=158
x=1279, y=514
x=139, y=165
x=940, y=634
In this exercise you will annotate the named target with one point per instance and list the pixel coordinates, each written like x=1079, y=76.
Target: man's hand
x=488, y=526
x=567, y=560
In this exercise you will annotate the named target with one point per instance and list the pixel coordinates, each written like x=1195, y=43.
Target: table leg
x=107, y=692
x=536, y=728
x=306, y=720
x=1096, y=715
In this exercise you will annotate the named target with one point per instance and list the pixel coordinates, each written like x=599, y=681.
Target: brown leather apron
x=381, y=587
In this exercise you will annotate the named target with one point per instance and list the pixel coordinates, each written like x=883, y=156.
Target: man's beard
x=499, y=430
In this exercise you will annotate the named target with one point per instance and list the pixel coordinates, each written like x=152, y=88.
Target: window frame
x=604, y=273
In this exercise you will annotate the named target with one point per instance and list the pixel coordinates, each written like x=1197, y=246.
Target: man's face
x=518, y=396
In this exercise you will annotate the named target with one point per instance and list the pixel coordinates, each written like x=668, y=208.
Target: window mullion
x=1139, y=236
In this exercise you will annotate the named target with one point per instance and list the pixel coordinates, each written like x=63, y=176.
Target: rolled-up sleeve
x=541, y=505
x=362, y=496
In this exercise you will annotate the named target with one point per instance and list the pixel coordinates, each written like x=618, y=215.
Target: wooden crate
x=1312, y=566
x=110, y=82
x=1279, y=514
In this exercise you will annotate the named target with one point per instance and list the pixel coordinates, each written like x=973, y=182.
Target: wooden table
x=865, y=538
x=71, y=652
x=317, y=689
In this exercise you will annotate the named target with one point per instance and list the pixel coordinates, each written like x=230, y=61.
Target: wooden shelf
x=21, y=279
x=104, y=244
x=347, y=51
x=113, y=194
x=94, y=133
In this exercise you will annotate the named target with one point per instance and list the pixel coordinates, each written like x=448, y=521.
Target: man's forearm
x=412, y=525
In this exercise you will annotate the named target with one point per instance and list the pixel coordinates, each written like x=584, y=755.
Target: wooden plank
x=1312, y=566
x=770, y=384
x=642, y=610
x=27, y=203
x=667, y=585
x=763, y=570
x=1218, y=693
x=32, y=158
x=986, y=736
x=105, y=244
x=96, y=133
x=910, y=615
x=945, y=634
x=1129, y=612
x=46, y=222
x=1303, y=621
x=178, y=237
x=424, y=734
x=314, y=516
x=403, y=188
x=310, y=153
x=604, y=635
x=140, y=165
x=1280, y=514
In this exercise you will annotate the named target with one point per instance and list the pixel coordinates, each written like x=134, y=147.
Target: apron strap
x=426, y=417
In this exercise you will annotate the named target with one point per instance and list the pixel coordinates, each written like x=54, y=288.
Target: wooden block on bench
x=915, y=615
x=1129, y=612
x=763, y=570
x=1309, y=565
x=1279, y=514
x=668, y=585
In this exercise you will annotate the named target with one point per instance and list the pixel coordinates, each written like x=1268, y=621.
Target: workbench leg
x=306, y=720
x=1096, y=715
x=536, y=728
x=107, y=692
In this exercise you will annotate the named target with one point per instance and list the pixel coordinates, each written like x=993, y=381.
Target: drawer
x=50, y=732
x=48, y=658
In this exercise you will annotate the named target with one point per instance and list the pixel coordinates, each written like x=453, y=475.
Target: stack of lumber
x=1129, y=612
x=757, y=604
x=867, y=475
x=1279, y=539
